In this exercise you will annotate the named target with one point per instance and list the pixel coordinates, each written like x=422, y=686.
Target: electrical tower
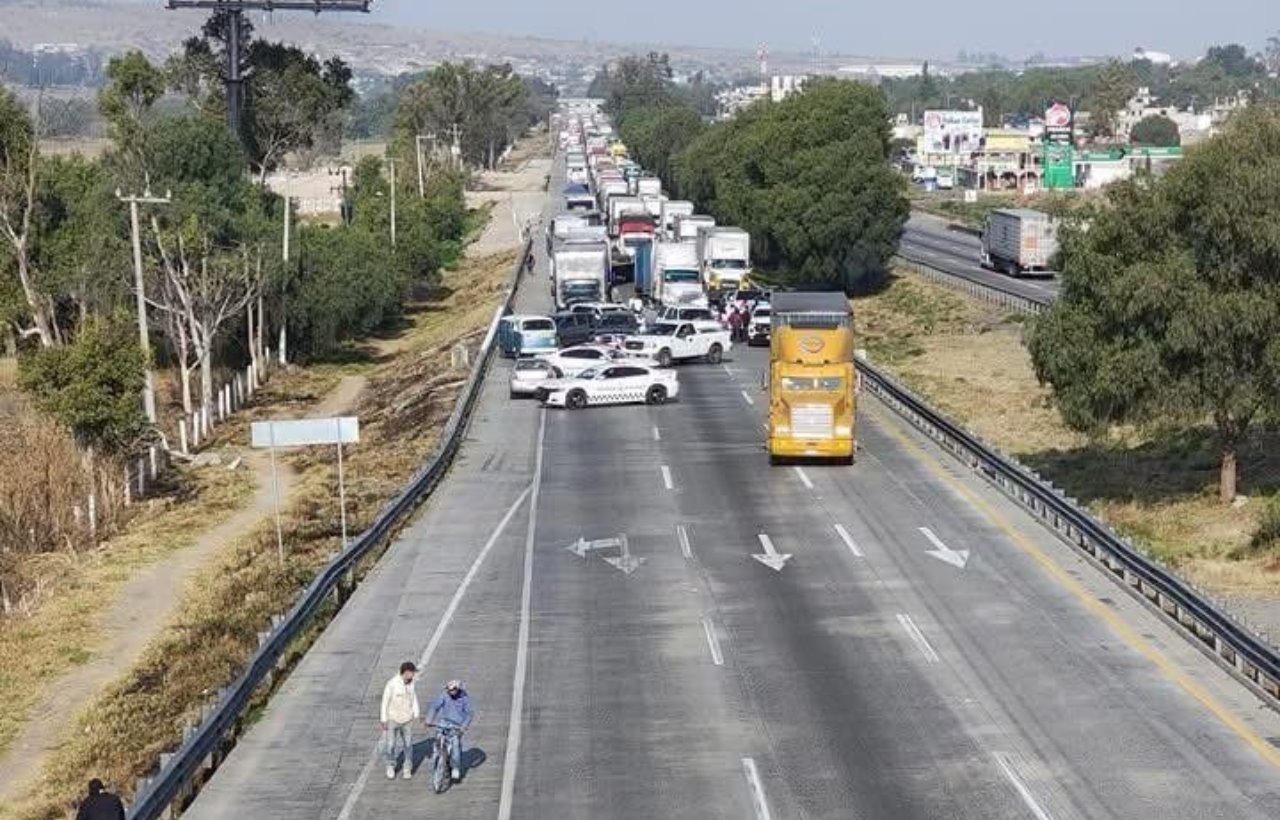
x=234, y=12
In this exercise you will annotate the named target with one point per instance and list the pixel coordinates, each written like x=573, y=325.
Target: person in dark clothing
x=100, y=804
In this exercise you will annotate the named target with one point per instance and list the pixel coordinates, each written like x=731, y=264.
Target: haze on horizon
x=922, y=28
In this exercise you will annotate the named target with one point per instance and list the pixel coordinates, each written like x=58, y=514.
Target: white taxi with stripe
x=621, y=383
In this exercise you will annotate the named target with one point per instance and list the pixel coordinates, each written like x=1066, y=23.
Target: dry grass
x=970, y=362
x=62, y=633
x=410, y=393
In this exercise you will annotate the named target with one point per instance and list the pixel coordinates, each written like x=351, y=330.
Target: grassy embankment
x=968, y=359
x=409, y=392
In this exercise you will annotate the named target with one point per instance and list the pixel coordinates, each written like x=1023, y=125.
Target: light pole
x=149, y=390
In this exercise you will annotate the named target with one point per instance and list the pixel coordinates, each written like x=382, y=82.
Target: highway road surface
x=890, y=641
x=927, y=239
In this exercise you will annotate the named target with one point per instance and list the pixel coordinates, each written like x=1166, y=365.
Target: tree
x=1169, y=313
x=1109, y=93
x=19, y=186
x=810, y=179
x=655, y=136
x=1272, y=55
x=1156, y=131
x=92, y=385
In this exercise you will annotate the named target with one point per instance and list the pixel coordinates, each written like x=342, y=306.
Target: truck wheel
x=664, y=357
x=576, y=400
x=715, y=354
x=656, y=395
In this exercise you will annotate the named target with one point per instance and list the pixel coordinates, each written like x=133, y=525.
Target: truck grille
x=812, y=421
x=634, y=345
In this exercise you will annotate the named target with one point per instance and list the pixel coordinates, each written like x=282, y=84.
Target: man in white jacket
x=399, y=711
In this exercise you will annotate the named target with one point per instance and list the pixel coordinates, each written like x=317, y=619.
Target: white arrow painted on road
x=582, y=546
x=956, y=558
x=625, y=561
x=771, y=558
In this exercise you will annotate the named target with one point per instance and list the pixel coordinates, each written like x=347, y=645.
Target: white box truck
x=671, y=208
x=687, y=226
x=675, y=274
x=1016, y=240
x=724, y=259
x=579, y=273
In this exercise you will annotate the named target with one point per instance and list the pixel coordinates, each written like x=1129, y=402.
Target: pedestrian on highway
x=100, y=804
x=735, y=323
x=399, y=710
x=453, y=713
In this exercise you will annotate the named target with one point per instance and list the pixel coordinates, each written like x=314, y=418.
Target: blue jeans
x=404, y=733
x=453, y=741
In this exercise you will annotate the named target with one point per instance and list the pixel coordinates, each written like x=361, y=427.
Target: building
x=1154, y=57
x=783, y=86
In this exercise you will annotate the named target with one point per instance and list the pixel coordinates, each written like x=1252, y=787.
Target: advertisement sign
x=1059, y=151
x=952, y=132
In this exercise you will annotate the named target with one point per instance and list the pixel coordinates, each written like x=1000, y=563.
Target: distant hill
x=116, y=25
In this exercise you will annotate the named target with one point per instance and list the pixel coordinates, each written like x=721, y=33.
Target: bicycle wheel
x=440, y=766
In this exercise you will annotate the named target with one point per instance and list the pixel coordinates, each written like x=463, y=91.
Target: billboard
x=952, y=132
x=1059, y=151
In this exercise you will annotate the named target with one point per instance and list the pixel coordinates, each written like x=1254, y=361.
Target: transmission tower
x=234, y=13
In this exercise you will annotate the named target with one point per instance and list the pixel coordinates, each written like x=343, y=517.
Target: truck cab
x=812, y=381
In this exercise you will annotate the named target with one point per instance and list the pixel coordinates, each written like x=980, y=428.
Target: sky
x=923, y=28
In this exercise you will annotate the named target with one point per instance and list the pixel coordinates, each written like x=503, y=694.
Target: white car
x=624, y=383
x=571, y=361
x=760, y=324
x=667, y=342
x=528, y=374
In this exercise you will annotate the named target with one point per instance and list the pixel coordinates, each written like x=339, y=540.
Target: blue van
x=520, y=335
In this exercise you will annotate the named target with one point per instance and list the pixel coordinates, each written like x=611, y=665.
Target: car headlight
x=844, y=430
x=782, y=428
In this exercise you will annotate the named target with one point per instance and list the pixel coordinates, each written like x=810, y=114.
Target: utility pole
x=284, y=324
x=392, y=163
x=144, y=336
x=422, y=179
x=232, y=12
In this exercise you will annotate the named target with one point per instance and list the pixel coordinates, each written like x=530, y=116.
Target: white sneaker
x=457, y=774
x=391, y=772
x=407, y=773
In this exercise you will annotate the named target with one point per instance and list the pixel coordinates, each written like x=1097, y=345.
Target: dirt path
x=146, y=604
x=517, y=196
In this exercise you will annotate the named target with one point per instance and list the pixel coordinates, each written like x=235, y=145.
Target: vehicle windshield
x=530, y=364
x=632, y=240
x=679, y=275
x=589, y=373
x=729, y=264
x=828, y=384
x=538, y=324
x=761, y=312
x=581, y=290
x=664, y=330
x=615, y=319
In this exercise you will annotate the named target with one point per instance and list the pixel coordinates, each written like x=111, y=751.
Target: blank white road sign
x=305, y=432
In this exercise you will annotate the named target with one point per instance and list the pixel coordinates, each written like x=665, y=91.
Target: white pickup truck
x=667, y=342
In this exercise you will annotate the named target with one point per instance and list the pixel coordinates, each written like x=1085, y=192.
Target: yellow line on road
x=1117, y=624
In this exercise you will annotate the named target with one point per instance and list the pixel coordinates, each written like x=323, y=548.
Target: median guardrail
x=206, y=743
x=981, y=290
x=1232, y=644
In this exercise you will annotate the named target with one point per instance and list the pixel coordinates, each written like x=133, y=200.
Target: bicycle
x=440, y=759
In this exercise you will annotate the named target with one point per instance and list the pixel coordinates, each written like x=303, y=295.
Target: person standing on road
x=735, y=323
x=453, y=713
x=100, y=804
x=399, y=710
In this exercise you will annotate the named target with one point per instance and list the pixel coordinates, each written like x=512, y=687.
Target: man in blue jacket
x=452, y=712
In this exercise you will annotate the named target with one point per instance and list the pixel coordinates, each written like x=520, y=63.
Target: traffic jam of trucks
x=642, y=283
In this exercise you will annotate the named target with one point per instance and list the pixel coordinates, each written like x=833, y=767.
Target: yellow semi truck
x=812, y=382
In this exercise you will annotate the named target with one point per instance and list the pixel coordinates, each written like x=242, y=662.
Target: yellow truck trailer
x=812, y=382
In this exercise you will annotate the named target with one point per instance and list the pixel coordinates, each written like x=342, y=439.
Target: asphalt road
x=927, y=239
x=926, y=651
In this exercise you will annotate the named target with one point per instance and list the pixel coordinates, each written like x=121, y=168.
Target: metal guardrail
x=202, y=747
x=980, y=290
x=1230, y=643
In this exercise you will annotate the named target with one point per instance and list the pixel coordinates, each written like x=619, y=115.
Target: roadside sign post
x=270, y=435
